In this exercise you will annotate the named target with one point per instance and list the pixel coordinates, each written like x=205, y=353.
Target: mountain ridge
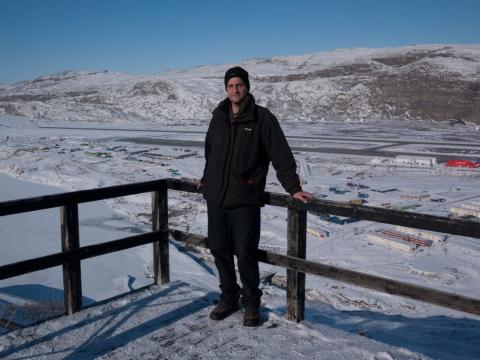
x=420, y=82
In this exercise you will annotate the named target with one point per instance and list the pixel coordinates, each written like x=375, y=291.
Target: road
x=335, y=138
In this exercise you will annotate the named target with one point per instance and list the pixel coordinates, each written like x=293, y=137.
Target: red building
x=463, y=163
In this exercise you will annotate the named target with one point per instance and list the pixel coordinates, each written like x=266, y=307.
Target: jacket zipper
x=231, y=148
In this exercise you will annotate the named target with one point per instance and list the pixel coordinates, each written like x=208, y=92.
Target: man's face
x=236, y=90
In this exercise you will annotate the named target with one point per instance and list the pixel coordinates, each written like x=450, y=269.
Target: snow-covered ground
x=73, y=159
x=171, y=322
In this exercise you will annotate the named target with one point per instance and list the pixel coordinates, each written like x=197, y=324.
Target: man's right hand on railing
x=303, y=196
x=199, y=184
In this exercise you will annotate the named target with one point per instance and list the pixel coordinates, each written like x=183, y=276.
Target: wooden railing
x=294, y=261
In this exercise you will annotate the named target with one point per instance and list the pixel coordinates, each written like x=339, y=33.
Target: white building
x=377, y=161
x=391, y=242
x=464, y=212
x=415, y=160
x=420, y=233
x=471, y=206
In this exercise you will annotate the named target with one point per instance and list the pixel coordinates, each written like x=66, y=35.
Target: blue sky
x=39, y=37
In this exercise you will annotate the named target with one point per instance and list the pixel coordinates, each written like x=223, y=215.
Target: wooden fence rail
x=378, y=283
x=294, y=261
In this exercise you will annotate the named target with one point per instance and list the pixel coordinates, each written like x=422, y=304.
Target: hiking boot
x=223, y=309
x=251, y=316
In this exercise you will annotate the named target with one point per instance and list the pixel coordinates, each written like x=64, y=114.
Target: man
x=241, y=141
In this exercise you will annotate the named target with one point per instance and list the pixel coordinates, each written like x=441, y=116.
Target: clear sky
x=39, y=37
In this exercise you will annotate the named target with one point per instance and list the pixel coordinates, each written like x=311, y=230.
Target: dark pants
x=236, y=231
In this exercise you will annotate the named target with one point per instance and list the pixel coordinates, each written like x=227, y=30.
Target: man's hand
x=199, y=184
x=302, y=196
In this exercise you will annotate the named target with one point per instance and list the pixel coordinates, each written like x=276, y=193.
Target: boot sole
x=251, y=323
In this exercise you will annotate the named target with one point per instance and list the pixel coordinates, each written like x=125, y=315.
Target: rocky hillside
x=435, y=82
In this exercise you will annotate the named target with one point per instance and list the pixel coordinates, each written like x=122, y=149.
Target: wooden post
x=72, y=274
x=296, y=246
x=161, y=268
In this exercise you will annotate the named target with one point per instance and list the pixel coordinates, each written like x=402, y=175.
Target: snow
x=36, y=160
x=171, y=322
x=191, y=94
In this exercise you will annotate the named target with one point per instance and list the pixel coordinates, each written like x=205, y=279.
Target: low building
x=318, y=232
x=405, y=237
x=337, y=190
x=363, y=195
x=462, y=163
x=420, y=233
x=419, y=197
x=391, y=242
x=464, y=212
x=470, y=206
x=416, y=160
x=357, y=201
x=377, y=161
x=384, y=190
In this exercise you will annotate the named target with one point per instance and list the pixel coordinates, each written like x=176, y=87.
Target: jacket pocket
x=250, y=183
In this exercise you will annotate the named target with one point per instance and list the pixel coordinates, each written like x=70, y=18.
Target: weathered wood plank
x=188, y=238
x=296, y=247
x=76, y=197
x=381, y=215
x=86, y=252
x=72, y=274
x=388, y=216
x=416, y=292
x=161, y=267
x=10, y=325
x=188, y=185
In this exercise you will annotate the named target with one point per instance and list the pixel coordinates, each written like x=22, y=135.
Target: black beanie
x=237, y=71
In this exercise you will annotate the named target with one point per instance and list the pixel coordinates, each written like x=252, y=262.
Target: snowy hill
x=434, y=82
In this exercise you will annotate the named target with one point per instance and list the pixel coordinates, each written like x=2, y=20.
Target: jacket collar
x=247, y=115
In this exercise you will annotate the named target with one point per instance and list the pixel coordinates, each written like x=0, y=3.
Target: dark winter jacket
x=238, y=155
